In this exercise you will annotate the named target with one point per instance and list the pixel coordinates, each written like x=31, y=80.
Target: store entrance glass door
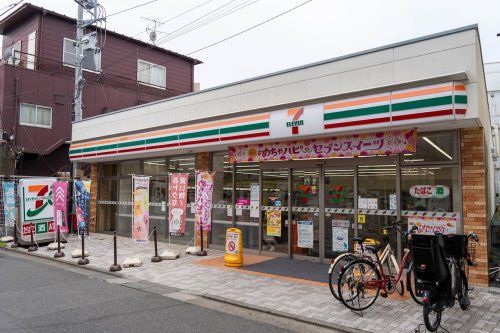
x=305, y=202
x=339, y=210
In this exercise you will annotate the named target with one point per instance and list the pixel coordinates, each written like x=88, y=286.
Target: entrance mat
x=298, y=269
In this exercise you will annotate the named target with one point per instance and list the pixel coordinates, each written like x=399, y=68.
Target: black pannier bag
x=455, y=246
x=428, y=257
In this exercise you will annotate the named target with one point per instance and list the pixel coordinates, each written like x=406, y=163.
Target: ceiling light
x=437, y=147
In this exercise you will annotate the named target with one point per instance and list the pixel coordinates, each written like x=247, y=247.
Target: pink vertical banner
x=177, y=197
x=204, y=191
x=140, y=201
x=60, y=197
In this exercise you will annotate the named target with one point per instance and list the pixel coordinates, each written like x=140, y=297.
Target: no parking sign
x=234, y=247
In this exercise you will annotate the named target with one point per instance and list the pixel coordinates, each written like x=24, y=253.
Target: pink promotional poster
x=60, y=195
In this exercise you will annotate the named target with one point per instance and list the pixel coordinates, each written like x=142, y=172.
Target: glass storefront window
x=222, y=198
x=376, y=193
x=129, y=168
x=155, y=167
x=433, y=190
x=275, y=216
x=157, y=204
x=439, y=147
x=185, y=164
x=124, y=224
x=247, y=194
x=107, y=206
x=109, y=169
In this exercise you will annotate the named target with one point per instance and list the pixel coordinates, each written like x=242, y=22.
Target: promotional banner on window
x=60, y=190
x=177, y=201
x=378, y=143
x=431, y=225
x=140, y=224
x=9, y=203
x=204, y=191
x=82, y=205
x=273, y=223
x=37, y=208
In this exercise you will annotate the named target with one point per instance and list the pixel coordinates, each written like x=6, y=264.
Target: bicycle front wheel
x=357, y=285
x=334, y=271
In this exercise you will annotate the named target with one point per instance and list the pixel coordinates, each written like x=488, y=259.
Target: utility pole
x=89, y=41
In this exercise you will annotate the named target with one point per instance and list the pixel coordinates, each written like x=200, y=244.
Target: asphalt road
x=37, y=295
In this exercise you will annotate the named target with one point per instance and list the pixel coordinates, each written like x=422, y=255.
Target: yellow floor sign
x=234, y=248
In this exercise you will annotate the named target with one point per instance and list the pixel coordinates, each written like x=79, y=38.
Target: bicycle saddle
x=360, y=239
x=373, y=248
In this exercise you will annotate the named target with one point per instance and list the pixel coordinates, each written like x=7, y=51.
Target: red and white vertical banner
x=60, y=197
x=177, y=201
x=204, y=191
x=140, y=201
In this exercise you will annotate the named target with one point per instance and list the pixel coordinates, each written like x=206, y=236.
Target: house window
x=35, y=115
x=30, y=60
x=15, y=57
x=151, y=74
x=91, y=60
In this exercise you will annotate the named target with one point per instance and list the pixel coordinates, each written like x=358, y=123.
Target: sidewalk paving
x=288, y=297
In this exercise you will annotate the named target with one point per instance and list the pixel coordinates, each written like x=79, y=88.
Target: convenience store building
x=309, y=157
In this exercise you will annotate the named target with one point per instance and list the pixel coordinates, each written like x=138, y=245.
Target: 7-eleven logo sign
x=294, y=119
x=38, y=202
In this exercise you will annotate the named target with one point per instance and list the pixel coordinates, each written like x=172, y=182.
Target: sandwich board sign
x=37, y=209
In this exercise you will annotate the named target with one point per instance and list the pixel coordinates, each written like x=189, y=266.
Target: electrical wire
x=201, y=17
x=187, y=11
x=208, y=21
x=12, y=5
x=134, y=7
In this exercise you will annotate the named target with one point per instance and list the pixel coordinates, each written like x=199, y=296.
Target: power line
x=199, y=18
x=251, y=28
x=12, y=5
x=209, y=20
x=130, y=8
x=187, y=11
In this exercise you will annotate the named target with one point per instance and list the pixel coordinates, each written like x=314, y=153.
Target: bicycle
x=494, y=273
x=440, y=266
x=363, y=278
x=387, y=257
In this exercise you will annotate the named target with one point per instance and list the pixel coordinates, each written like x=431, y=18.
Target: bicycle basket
x=428, y=257
x=455, y=246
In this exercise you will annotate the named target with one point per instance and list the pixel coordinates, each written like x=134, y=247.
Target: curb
x=36, y=254
x=306, y=320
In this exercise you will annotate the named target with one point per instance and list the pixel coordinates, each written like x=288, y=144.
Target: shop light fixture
x=415, y=160
x=429, y=141
x=154, y=163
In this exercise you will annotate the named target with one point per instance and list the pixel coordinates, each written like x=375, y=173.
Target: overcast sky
x=320, y=29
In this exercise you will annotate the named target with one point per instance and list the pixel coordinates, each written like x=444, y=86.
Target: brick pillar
x=474, y=198
x=203, y=161
x=94, y=177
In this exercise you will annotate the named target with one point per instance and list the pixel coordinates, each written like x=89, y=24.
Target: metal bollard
x=156, y=258
x=115, y=267
x=58, y=254
x=202, y=252
x=83, y=260
x=32, y=247
x=15, y=243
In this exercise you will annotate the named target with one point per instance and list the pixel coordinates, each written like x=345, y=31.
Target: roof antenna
x=152, y=29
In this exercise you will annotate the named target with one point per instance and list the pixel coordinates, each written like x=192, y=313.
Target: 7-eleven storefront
x=301, y=178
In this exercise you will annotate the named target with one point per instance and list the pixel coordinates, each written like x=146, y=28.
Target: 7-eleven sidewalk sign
x=37, y=208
